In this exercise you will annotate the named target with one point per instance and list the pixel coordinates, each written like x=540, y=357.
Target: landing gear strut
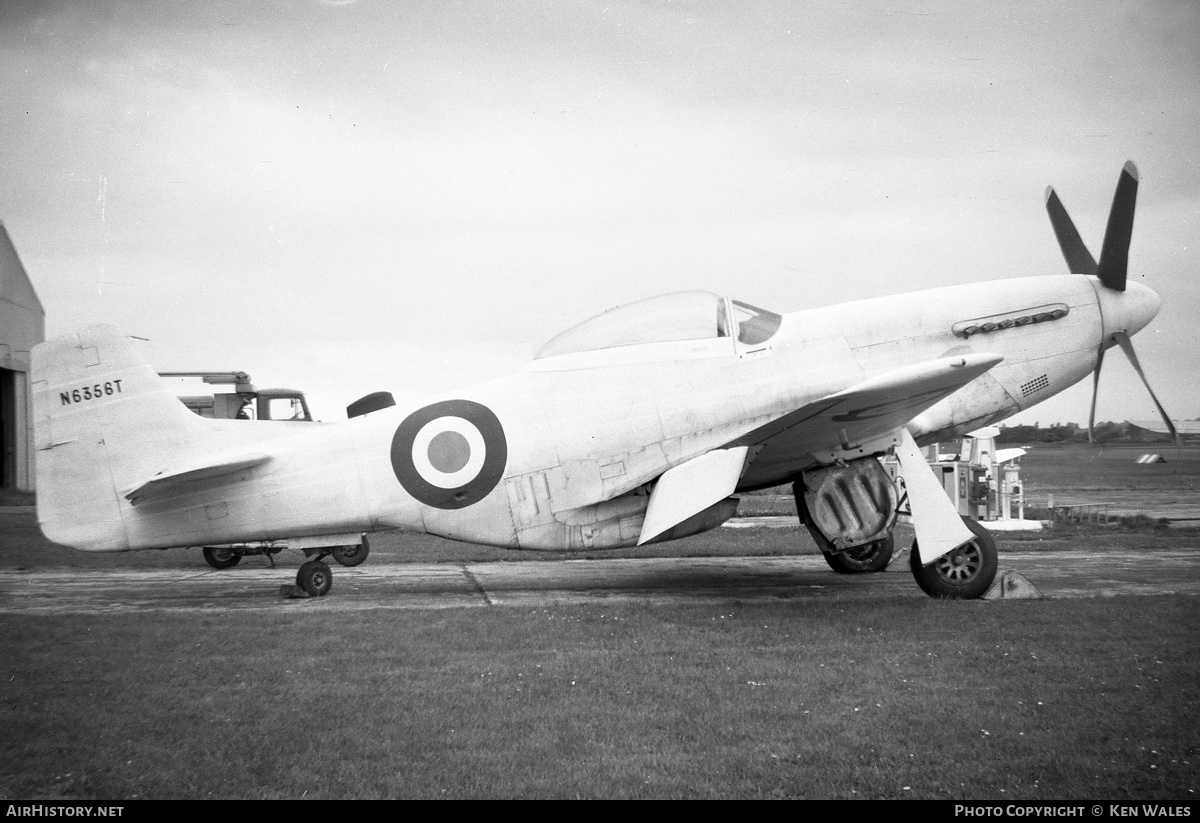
x=314, y=578
x=850, y=509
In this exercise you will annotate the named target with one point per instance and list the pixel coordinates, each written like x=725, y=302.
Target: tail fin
x=104, y=421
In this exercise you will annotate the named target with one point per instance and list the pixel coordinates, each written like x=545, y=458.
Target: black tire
x=352, y=555
x=221, y=558
x=315, y=577
x=963, y=574
x=873, y=557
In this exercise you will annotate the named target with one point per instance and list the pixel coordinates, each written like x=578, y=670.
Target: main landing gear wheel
x=962, y=574
x=352, y=555
x=315, y=578
x=221, y=558
x=873, y=557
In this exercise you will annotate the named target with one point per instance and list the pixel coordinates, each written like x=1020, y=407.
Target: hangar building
x=22, y=326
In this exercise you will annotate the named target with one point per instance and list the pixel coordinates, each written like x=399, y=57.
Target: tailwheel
x=352, y=555
x=315, y=577
x=873, y=557
x=221, y=557
x=965, y=573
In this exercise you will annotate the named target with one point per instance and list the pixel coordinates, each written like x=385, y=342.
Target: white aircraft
x=635, y=426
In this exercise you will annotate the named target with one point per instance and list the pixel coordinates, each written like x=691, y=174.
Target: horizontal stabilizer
x=175, y=482
x=692, y=487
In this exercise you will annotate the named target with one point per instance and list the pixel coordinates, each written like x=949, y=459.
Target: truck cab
x=245, y=402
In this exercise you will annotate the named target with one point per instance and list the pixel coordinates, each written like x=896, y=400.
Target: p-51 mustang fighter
x=635, y=426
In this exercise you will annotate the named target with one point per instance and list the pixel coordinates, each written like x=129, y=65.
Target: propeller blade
x=1114, y=256
x=1079, y=259
x=1127, y=346
x=1095, y=391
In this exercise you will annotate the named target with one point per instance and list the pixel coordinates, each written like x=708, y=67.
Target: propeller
x=1114, y=254
x=1127, y=346
x=1119, y=308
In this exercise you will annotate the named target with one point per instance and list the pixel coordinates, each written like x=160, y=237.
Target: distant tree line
x=1106, y=432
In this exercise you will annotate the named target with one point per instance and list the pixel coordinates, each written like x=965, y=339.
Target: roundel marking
x=450, y=454
x=449, y=451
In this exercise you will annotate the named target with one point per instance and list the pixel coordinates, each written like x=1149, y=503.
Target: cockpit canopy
x=689, y=315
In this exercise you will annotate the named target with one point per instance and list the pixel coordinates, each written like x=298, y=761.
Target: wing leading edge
x=842, y=421
x=867, y=411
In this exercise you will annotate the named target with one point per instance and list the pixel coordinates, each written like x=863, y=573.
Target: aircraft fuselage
x=559, y=454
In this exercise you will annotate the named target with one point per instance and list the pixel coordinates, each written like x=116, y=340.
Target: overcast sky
x=346, y=197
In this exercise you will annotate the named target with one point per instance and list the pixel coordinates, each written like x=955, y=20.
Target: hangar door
x=8, y=428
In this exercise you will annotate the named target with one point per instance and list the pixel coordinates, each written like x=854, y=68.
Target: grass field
x=904, y=697
x=1077, y=468
x=804, y=699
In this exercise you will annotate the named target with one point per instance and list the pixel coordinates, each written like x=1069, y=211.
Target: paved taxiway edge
x=537, y=583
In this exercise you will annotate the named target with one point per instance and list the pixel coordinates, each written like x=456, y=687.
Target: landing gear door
x=847, y=506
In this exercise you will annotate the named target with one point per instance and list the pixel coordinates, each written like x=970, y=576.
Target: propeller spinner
x=1125, y=308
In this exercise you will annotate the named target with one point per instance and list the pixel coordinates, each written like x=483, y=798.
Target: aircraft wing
x=864, y=412
x=831, y=427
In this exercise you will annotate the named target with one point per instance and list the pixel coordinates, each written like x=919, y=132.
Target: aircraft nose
x=1129, y=311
